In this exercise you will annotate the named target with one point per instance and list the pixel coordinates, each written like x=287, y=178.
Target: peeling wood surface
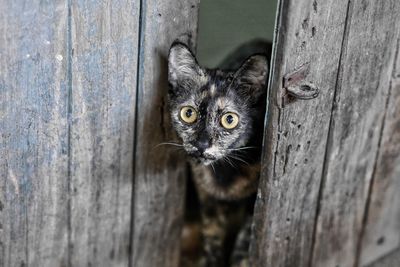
x=382, y=231
x=296, y=132
x=159, y=170
x=320, y=155
x=104, y=41
x=33, y=134
x=355, y=133
x=390, y=260
x=76, y=189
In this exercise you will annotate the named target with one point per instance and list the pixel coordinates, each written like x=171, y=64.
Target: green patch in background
x=224, y=25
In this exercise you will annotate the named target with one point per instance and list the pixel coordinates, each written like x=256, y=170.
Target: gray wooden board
x=390, y=260
x=159, y=170
x=33, y=133
x=104, y=41
x=296, y=134
x=355, y=133
x=382, y=230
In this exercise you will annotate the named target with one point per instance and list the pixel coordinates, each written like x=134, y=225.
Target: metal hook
x=304, y=91
x=295, y=86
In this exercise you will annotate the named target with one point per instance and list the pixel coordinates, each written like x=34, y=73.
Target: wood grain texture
x=296, y=134
x=104, y=41
x=68, y=98
x=33, y=133
x=382, y=230
x=390, y=260
x=159, y=171
x=355, y=133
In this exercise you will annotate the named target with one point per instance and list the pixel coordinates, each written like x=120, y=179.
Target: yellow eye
x=188, y=114
x=229, y=120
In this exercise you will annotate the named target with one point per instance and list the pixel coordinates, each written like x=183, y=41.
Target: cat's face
x=213, y=111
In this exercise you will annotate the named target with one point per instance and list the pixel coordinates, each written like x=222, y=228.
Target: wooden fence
x=82, y=105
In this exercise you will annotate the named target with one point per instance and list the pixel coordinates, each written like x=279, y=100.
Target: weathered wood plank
x=390, y=260
x=296, y=134
x=382, y=230
x=355, y=132
x=33, y=133
x=104, y=38
x=159, y=171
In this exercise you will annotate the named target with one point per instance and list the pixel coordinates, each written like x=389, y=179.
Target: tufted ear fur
x=251, y=78
x=183, y=69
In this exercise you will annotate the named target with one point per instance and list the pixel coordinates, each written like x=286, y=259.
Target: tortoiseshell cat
x=219, y=116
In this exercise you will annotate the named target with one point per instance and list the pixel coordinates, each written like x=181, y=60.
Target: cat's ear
x=251, y=78
x=183, y=70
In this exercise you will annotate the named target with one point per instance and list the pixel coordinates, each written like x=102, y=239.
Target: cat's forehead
x=213, y=93
x=216, y=87
x=213, y=96
x=207, y=100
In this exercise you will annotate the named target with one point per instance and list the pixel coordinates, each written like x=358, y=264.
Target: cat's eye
x=229, y=120
x=188, y=114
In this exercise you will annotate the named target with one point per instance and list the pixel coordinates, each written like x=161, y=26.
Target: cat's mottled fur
x=225, y=162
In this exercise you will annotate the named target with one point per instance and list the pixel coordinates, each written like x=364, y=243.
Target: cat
x=219, y=117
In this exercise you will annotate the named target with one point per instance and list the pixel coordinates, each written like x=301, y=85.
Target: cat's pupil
x=189, y=113
x=229, y=119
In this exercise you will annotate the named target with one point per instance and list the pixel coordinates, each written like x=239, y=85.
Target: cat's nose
x=202, y=144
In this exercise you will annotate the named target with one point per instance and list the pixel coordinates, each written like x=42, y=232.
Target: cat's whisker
x=167, y=143
x=212, y=166
x=241, y=148
x=237, y=156
x=239, y=153
x=239, y=159
x=227, y=160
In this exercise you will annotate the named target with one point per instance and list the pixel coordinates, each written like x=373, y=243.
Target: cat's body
x=219, y=117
